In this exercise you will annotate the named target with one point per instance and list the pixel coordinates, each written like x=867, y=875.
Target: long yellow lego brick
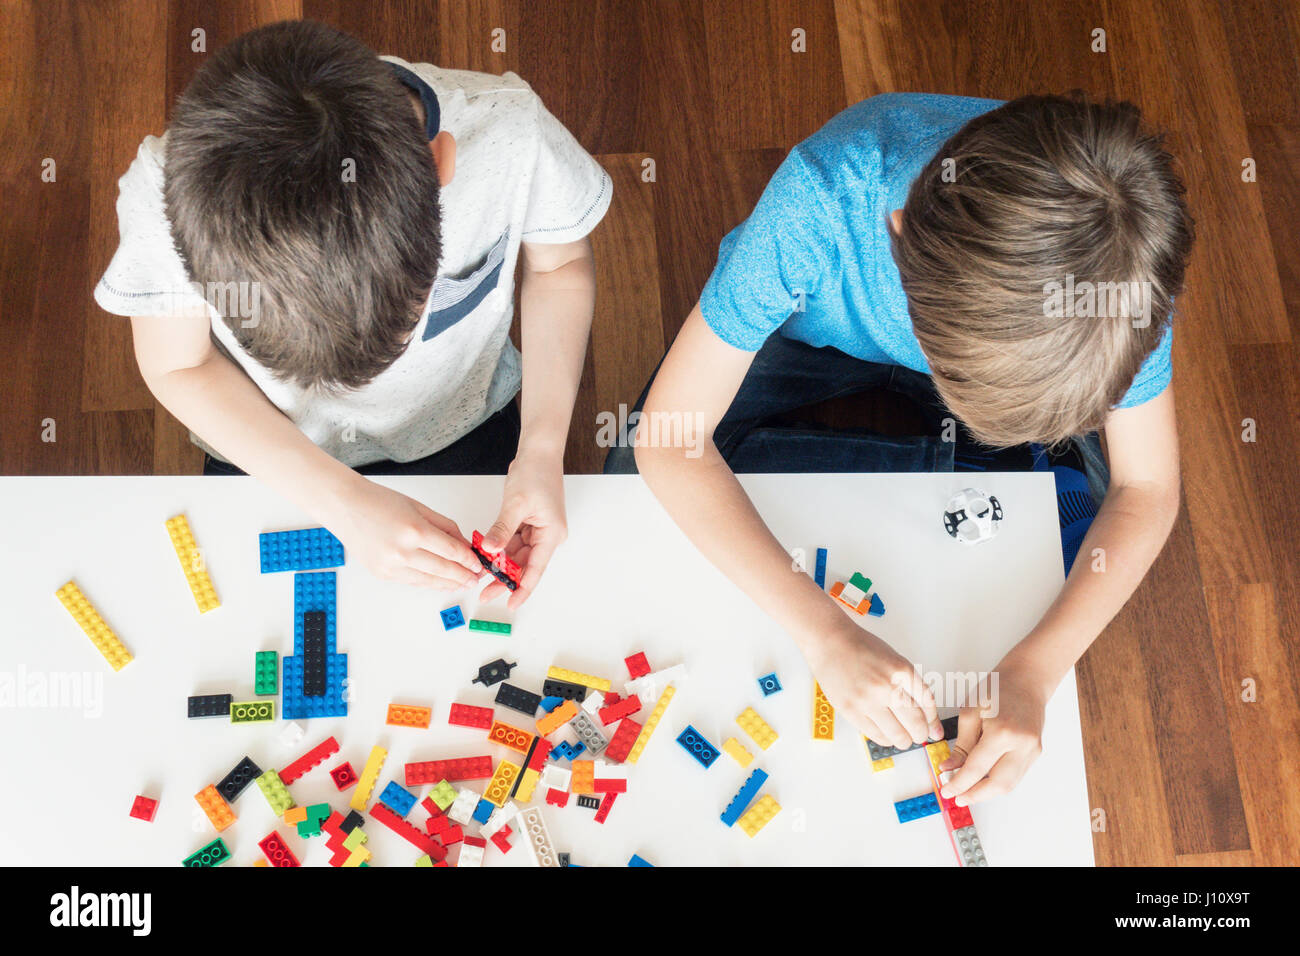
x=757, y=728
x=759, y=815
x=191, y=559
x=88, y=619
x=651, y=723
x=366, y=785
x=573, y=677
x=823, y=715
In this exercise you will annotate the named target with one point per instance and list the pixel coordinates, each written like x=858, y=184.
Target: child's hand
x=992, y=753
x=875, y=687
x=530, y=527
x=399, y=539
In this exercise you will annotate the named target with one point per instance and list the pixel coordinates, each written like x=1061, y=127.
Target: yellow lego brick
x=366, y=785
x=498, y=788
x=295, y=815
x=938, y=752
x=757, y=728
x=260, y=863
x=651, y=723
x=823, y=715
x=359, y=855
x=557, y=718
x=216, y=808
x=573, y=677
x=737, y=752
x=88, y=619
x=758, y=816
x=884, y=763
x=405, y=715
x=527, y=784
x=191, y=559
x=584, y=777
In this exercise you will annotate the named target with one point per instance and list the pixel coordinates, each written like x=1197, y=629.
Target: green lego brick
x=214, y=854
x=861, y=583
x=494, y=627
x=444, y=795
x=266, y=676
x=252, y=711
x=277, y=795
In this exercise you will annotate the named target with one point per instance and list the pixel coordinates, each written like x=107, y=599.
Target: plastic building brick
x=498, y=565
x=443, y=795
x=606, y=805
x=537, y=758
x=573, y=677
x=252, y=711
x=142, y=808
x=369, y=774
x=885, y=764
x=304, y=549
x=652, y=685
x=819, y=569
x=970, y=852
x=564, y=689
x=927, y=804
x=494, y=672
x=310, y=825
x=593, y=703
x=397, y=798
x=734, y=749
x=313, y=654
x=483, y=810
x=637, y=665
x=500, y=817
x=467, y=715
x=624, y=739
x=233, y=783
x=550, y=703
x=625, y=707
x=757, y=728
x=638, y=861
x=877, y=606
x=557, y=718
x=759, y=815
x=266, y=673
x=210, y=705
x=214, y=854
x=516, y=698
x=768, y=684
x=489, y=627
x=693, y=743
x=403, y=715
x=424, y=860
x=527, y=784
x=744, y=797
x=273, y=788
x=588, y=734
x=88, y=619
x=567, y=751
x=854, y=595
x=294, y=815
x=609, y=786
x=536, y=837
x=878, y=752
x=406, y=831
x=557, y=798
x=462, y=810
x=452, y=617
x=508, y=736
x=312, y=682
x=584, y=777
x=297, y=704
x=471, y=854
x=311, y=759
x=461, y=768
x=823, y=715
x=651, y=723
x=588, y=802
x=277, y=851
x=191, y=559
x=343, y=776
x=502, y=839
x=556, y=777
x=498, y=788
x=351, y=821
x=291, y=735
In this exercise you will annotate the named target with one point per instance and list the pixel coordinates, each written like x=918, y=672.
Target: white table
x=79, y=741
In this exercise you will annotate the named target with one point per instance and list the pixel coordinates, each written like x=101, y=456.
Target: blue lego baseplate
x=295, y=705
x=744, y=797
x=693, y=743
x=305, y=549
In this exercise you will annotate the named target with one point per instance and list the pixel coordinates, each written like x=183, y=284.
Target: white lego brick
x=555, y=777
x=604, y=770
x=536, y=838
x=462, y=810
x=469, y=855
x=291, y=735
x=500, y=817
x=595, y=700
x=852, y=595
x=650, y=686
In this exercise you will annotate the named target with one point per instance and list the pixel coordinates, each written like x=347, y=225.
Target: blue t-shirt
x=820, y=229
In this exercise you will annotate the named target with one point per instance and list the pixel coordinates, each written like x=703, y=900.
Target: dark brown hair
x=1043, y=193
x=256, y=192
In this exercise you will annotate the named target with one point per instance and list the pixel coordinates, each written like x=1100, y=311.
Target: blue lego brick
x=452, y=618
x=925, y=805
x=305, y=549
x=315, y=592
x=744, y=797
x=550, y=703
x=693, y=743
x=483, y=811
x=768, y=684
x=397, y=798
x=567, y=751
x=637, y=861
x=877, y=607
x=295, y=705
x=819, y=575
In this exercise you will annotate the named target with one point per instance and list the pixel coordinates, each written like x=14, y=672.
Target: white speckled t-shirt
x=520, y=176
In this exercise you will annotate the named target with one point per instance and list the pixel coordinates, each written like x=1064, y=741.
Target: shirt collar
x=428, y=98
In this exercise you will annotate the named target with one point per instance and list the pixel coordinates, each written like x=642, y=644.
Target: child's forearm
x=1125, y=538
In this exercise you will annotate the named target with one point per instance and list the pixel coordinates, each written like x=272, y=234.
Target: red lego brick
x=476, y=841
x=620, y=745
x=437, y=824
x=432, y=771
x=451, y=836
x=142, y=808
x=466, y=715
x=496, y=564
x=960, y=817
x=618, y=710
x=609, y=698
x=616, y=785
x=407, y=831
x=344, y=776
x=538, y=760
x=430, y=807
x=602, y=814
x=277, y=851
x=637, y=665
x=309, y=760
x=502, y=839
x=557, y=798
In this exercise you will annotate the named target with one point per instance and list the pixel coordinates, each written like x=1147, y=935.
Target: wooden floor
x=1183, y=769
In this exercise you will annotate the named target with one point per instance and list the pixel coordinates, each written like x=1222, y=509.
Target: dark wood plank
x=1274, y=148
x=465, y=35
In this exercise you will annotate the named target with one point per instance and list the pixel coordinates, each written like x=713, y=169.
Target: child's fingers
x=538, y=557
x=929, y=710
x=913, y=720
x=893, y=732
x=436, y=566
x=409, y=575
x=870, y=730
x=969, y=723
x=442, y=538
x=978, y=763
x=493, y=591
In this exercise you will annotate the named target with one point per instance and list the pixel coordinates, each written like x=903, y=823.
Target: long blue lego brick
x=741, y=801
x=819, y=575
x=315, y=592
x=294, y=704
x=306, y=549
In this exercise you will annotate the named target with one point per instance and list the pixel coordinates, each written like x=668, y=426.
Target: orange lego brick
x=512, y=737
x=557, y=718
x=217, y=810
x=404, y=715
x=583, y=779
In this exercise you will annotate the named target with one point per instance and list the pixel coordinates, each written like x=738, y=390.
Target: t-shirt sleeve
x=570, y=191
x=780, y=253
x=146, y=275
x=1154, y=375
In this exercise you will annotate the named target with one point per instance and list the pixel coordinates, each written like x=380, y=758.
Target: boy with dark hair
x=318, y=260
